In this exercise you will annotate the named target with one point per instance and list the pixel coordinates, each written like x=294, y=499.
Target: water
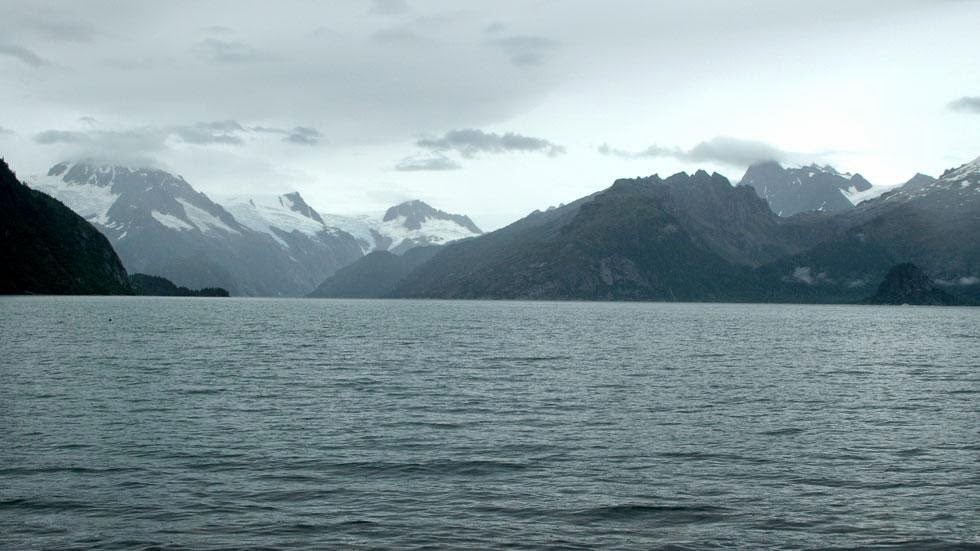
x=227, y=423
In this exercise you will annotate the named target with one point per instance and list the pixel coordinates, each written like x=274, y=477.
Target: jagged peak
x=294, y=202
x=416, y=212
x=969, y=169
x=104, y=174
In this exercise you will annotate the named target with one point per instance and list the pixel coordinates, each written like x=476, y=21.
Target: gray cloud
x=219, y=29
x=470, y=142
x=299, y=135
x=388, y=7
x=228, y=51
x=137, y=146
x=525, y=50
x=495, y=28
x=964, y=281
x=64, y=30
x=398, y=36
x=303, y=135
x=204, y=133
x=969, y=104
x=24, y=55
x=149, y=140
x=6, y=131
x=49, y=137
x=721, y=149
x=436, y=162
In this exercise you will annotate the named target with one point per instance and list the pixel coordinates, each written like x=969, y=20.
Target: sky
x=490, y=109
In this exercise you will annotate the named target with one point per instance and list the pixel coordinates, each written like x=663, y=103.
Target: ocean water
x=131, y=423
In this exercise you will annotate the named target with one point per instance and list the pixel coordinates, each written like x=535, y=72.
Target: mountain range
x=253, y=246
x=697, y=237
x=791, y=191
x=692, y=237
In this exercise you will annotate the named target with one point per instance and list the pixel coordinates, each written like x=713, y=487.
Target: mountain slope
x=160, y=225
x=642, y=239
x=907, y=284
x=811, y=188
x=375, y=275
x=45, y=248
x=404, y=226
x=932, y=223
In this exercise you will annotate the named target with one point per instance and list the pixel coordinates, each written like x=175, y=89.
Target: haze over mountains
x=793, y=190
x=257, y=246
x=688, y=237
x=697, y=237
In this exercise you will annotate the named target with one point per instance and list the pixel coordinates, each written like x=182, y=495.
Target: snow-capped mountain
x=161, y=226
x=402, y=227
x=415, y=223
x=405, y=226
x=956, y=188
x=810, y=188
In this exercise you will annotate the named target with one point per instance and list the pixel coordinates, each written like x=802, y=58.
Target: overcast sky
x=491, y=109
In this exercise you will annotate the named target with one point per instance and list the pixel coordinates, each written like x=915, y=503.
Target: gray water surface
x=234, y=423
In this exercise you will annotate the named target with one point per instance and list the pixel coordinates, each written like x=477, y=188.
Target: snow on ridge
x=171, y=221
x=433, y=230
x=855, y=197
x=964, y=172
x=89, y=200
x=204, y=220
x=263, y=213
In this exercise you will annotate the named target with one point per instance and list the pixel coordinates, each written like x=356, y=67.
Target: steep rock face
x=907, y=284
x=45, y=248
x=811, y=188
x=642, y=239
x=160, y=225
x=375, y=275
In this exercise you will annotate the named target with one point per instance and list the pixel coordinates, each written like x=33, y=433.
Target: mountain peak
x=116, y=176
x=961, y=173
x=417, y=212
x=807, y=188
x=294, y=202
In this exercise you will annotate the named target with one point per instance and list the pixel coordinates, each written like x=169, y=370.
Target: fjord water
x=233, y=423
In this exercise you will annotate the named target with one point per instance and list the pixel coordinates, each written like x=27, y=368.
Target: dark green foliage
x=156, y=286
x=45, y=248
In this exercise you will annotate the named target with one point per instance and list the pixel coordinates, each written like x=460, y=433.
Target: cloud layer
x=145, y=142
x=471, y=142
x=969, y=104
x=25, y=55
x=721, y=149
x=434, y=163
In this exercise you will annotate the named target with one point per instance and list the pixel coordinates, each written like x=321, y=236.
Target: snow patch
x=171, y=221
x=204, y=220
x=90, y=201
